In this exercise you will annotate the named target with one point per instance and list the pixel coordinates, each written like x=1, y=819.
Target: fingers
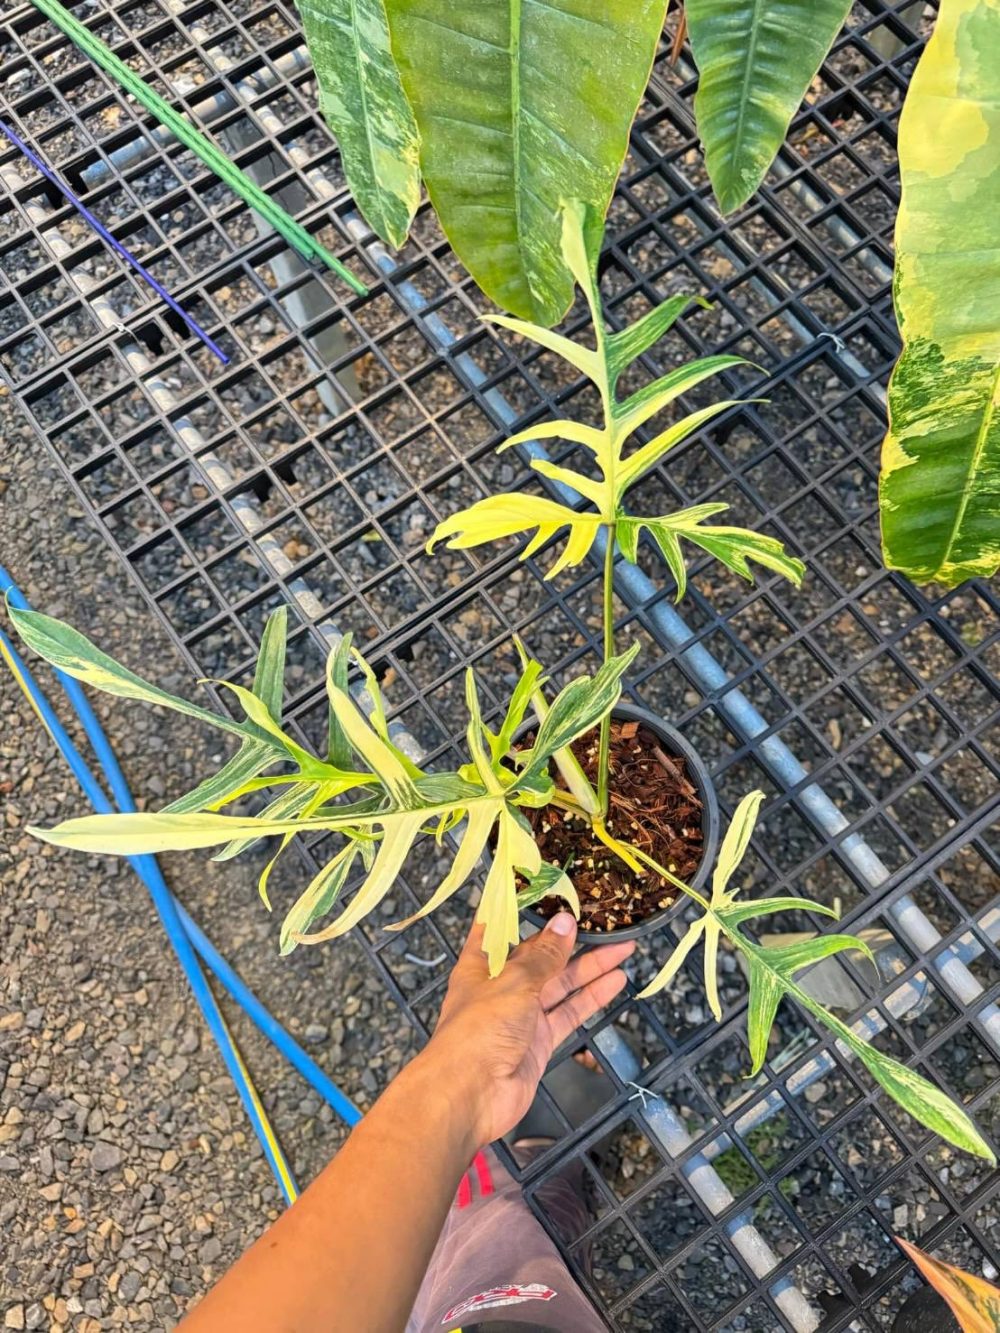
x=545, y=955
x=586, y=967
x=583, y=1004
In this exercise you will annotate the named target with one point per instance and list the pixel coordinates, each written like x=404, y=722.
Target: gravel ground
x=129, y=1177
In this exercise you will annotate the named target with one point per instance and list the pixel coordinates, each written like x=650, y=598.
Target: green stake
x=294, y=233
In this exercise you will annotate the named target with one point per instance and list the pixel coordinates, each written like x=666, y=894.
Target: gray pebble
x=105, y=1156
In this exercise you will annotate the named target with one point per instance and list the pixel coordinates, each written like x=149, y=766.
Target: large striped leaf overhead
x=756, y=60
x=521, y=104
x=940, y=485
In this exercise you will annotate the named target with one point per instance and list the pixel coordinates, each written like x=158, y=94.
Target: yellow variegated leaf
x=516, y=849
x=638, y=464
x=505, y=515
x=734, y=547
x=674, y=963
x=654, y=397
x=394, y=774
x=318, y=897
x=481, y=820
x=939, y=491
x=257, y=711
x=562, y=429
x=398, y=836
x=582, y=358
x=136, y=834
x=734, y=844
x=68, y=650
x=597, y=492
x=712, y=933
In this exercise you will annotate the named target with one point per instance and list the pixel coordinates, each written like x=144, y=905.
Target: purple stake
x=105, y=235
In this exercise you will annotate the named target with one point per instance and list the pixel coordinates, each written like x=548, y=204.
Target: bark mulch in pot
x=653, y=806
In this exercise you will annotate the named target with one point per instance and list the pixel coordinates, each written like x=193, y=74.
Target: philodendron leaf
x=939, y=491
x=501, y=516
x=924, y=1100
x=338, y=747
x=734, y=547
x=68, y=650
x=549, y=881
x=362, y=99
x=250, y=760
x=772, y=972
x=735, y=844
x=269, y=673
x=756, y=60
x=520, y=105
x=577, y=708
x=974, y=1302
x=317, y=898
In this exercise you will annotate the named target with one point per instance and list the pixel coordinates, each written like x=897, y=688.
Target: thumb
x=544, y=956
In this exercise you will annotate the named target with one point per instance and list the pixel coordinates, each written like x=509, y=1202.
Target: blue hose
x=185, y=936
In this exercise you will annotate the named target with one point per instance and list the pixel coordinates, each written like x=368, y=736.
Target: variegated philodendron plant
x=377, y=802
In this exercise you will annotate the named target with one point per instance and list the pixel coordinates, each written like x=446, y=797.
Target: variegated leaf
x=939, y=491
x=733, y=547
x=506, y=515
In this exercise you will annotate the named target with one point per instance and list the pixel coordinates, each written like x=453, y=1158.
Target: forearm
x=352, y=1251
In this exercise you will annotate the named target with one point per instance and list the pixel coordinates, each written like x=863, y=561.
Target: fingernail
x=562, y=924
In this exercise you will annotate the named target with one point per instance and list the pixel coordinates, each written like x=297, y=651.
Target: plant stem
x=604, y=748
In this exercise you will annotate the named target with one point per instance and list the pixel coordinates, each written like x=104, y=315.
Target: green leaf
x=637, y=409
x=253, y=756
x=940, y=486
x=529, y=683
x=577, y=708
x=791, y=958
x=735, y=843
x=648, y=455
x=734, y=547
x=737, y=912
x=317, y=898
x=68, y=650
x=923, y=1100
x=249, y=761
x=549, y=881
x=567, y=764
x=766, y=991
x=269, y=673
x=519, y=104
x=362, y=99
x=338, y=747
x=756, y=60
x=626, y=345
x=504, y=515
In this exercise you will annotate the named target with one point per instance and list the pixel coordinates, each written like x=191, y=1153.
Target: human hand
x=495, y=1036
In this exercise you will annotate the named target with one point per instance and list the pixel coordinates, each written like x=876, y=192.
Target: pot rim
x=677, y=744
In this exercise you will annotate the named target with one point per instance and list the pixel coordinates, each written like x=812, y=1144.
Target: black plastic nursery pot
x=676, y=746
